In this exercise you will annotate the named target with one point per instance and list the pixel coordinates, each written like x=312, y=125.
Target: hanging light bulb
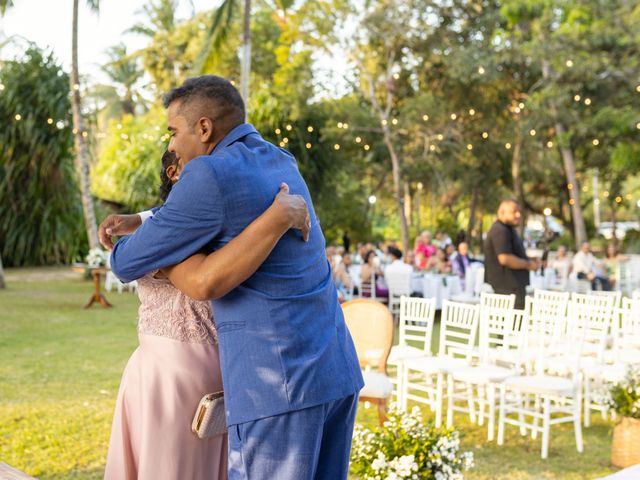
x=472, y=112
x=278, y=131
x=288, y=127
x=336, y=147
x=309, y=129
x=485, y=135
x=507, y=146
x=425, y=117
x=308, y=145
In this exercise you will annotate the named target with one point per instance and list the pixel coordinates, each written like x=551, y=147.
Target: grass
x=60, y=368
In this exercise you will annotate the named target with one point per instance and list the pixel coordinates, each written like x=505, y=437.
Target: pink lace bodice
x=167, y=312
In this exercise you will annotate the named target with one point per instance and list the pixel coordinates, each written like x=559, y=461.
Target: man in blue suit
x=289, y=367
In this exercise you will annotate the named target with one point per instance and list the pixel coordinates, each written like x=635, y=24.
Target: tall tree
x=80, y=132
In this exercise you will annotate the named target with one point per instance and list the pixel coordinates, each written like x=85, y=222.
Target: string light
x=569, y=63
x=396, y=76
x=637, y=88
x=595, y=142
x=309, y=129
x=425, y=117
x=618, y=199
x=570, y=186
x=507, y=146
x=432, y=147
x=285, y=140
x=472, y=112
x=339, y=124
x=485, y=135
x=440, y=137
x=585, y=189
x=60, y=124
x=384, y=122
x=74, y=131
x=628, y=196
x=2, y=87
x=76, y=87
x=577, y=98
x=547, y=211
x=278, y=131
x=50, y=121
x=308, y=145
x=119, y=127
x=336, y=147
x=85, y=134
x=282, y=144
x=587, y=101
x=469, y=146
x=453, y=116
x=366, y=147
x=345, y=126
x=18, y=117
x=394, y=121
x=521, y=105
x=638, y=125
x=288, y=127
x=549, y=144
x=481, y=70
x=605, y=194
x=532, y=132
x=358, y=139
x=572, y=202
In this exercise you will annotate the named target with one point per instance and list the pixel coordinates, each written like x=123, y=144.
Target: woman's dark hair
x=168, y=159
x=367, y=255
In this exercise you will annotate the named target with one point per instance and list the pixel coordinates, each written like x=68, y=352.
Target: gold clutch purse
x=210, y=418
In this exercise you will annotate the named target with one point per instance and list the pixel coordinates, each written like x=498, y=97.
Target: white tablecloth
x=440, y=287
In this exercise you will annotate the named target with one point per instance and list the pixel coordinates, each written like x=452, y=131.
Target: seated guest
x=370, y=271
x=461, y=262
x=341, y=276
x=585, y=266
x=438, y=263
x=561, y=263
x=424, y=245
x=397, y=265
x=450, y=252
x=420, y=260
x=410, y=258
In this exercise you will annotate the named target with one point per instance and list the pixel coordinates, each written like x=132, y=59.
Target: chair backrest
x=398, y=281
x=458, y=328
x=479, y=279
x=626, y=325
x=416, y=322
x=617, y=295
x=471, y=278
x=547, y=312
x=368, y=288
x=371, y=326
x=590, y=318
x=496, y=321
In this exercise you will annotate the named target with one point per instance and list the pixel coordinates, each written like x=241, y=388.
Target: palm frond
x=217, y=33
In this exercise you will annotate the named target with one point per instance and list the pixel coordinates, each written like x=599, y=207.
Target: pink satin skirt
x=151, y=437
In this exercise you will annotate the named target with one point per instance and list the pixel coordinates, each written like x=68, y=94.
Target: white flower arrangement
x=403, y=448
x=96, y=258
x=624, y=397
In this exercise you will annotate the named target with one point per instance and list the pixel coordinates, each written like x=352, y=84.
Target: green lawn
x=60, y=367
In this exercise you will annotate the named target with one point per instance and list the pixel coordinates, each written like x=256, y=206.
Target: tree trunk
x=245, y=67
x=472, y=213
x=516, y=162
x=397, y=187
x=82, y=152
x=2, y=283
x=579, y=228
x=614, y=224
x=408, y=204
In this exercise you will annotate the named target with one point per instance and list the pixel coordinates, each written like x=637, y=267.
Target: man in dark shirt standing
x=506, y=263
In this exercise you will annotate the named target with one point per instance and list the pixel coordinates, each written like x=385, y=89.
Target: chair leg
x=481, y=404
x=501, y=416
x=577, y=425
x=439, y=388
x=404, y=380
x=546, y=426
x=450, y=390
x=523, y=428
x=536, y=420
x=491, y=397
x=587, y=401
x=471, y=403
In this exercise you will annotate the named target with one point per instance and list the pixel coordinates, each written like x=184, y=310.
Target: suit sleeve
x=191, y=218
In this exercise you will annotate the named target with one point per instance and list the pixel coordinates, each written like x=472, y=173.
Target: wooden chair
x=371, y=326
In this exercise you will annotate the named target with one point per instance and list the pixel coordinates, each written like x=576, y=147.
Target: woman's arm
x=206, y=277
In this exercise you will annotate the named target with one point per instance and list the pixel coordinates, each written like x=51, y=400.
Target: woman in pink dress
x=177, y=363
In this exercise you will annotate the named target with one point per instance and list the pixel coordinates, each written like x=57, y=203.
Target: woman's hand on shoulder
x=294, y=210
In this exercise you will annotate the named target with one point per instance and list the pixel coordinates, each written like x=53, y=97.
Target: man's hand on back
x=117, y=226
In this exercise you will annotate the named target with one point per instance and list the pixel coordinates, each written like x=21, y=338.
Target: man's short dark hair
x=395, y=252
x=202, y=95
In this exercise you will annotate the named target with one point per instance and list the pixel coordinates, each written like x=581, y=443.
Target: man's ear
x=205, y=129
x=172, y=170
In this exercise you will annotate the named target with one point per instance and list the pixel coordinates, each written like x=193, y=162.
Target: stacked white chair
x=399, y=284
x=544, y=398
x=423, y=378
x=415, y=334
x=475, y=385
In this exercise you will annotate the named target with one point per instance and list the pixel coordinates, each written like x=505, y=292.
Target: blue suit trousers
x=309, y=444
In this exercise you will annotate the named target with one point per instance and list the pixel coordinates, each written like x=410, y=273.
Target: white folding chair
x=415, y=333
x=399, y=284
x=423, y=378
x=497, y=316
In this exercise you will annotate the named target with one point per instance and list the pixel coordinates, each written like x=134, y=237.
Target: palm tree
x=161, y=18
x=5, y=5
x=120, y=96
x=82, y=150
x=217, y=33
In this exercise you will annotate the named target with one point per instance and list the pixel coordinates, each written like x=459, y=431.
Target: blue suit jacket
x=283, y=341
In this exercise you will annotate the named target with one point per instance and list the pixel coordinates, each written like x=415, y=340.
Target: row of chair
x=539, y=367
